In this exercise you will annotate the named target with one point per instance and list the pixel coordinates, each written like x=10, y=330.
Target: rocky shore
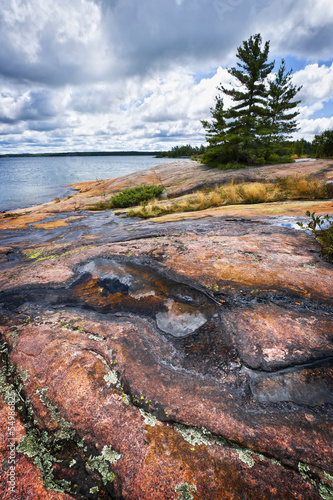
x=189, y=357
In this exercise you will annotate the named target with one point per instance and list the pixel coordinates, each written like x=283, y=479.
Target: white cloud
x=316, y=81
x=120, y=74
x=309, y=127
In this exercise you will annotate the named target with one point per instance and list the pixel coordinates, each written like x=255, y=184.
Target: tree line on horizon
x=320, y=147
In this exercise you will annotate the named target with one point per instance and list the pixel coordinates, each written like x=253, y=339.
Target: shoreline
x=179, y=178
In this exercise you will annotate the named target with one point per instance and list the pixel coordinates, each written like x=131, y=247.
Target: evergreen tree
x=245, y=117
x=323, y=144
x=280, y=121
x=302, y=147
x=216, y=132
x=262, y=113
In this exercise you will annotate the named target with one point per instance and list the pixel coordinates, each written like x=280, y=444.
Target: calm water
x=31, y=181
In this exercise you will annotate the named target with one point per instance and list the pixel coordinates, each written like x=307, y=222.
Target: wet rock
x=196, y=361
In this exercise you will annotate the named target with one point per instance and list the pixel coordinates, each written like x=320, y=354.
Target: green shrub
x=133, y=196
x=130, y=197
x=323, y=235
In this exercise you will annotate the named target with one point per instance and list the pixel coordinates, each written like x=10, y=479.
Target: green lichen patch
x=328, y=477
x=195, y=436
x=29, y=445
x=65, y=430
x=245, y=456
x=94, y=490
x=148, y=418
x=324, y=490
x=111, y=378
x=185, y=491
x=40, y=446
x=45, y=449
x=96, y=337
x=101, y=463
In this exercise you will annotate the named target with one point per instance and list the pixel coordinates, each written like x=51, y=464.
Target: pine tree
x=323, y=144
x=262, y=113
x=280, y=121
x=216, y=130
x=245, y=117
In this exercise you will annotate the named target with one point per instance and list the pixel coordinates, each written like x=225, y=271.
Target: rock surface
x=177, y=178
x=184, y=359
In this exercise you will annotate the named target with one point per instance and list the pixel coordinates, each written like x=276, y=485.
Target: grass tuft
x=287, y=188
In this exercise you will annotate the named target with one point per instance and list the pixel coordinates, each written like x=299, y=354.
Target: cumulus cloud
x=120, y=74
x=316, y=81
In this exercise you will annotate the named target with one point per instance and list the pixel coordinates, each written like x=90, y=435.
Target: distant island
x=84, y=153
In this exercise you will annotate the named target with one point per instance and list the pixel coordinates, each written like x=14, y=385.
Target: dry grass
x=293, y=187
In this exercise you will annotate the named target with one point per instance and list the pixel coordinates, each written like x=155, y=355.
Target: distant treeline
x=182, y=151
x=320, y=147
x=86, y=153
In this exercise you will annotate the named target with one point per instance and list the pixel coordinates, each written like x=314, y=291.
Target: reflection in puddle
x=110, y=286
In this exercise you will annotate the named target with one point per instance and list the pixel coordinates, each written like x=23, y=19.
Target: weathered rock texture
x=181, y=360
x=186, y=358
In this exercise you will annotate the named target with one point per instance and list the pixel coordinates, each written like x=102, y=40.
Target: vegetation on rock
x=293, y=187
x=130, y=197
x=256, y=128
x=321, y=227
x=323, y=144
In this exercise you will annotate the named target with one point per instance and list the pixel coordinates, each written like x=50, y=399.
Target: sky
x=119, y=75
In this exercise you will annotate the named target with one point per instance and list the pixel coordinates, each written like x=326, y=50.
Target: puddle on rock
x=109, y=286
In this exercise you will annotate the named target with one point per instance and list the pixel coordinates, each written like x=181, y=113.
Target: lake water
x=27, y=181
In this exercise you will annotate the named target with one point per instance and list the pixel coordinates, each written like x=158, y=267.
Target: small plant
x=130, y=197
x=323, y=234
x=133, y=196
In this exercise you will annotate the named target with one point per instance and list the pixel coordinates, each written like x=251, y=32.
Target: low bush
x=323, y=234
x=130, y=197
x=133, y=196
